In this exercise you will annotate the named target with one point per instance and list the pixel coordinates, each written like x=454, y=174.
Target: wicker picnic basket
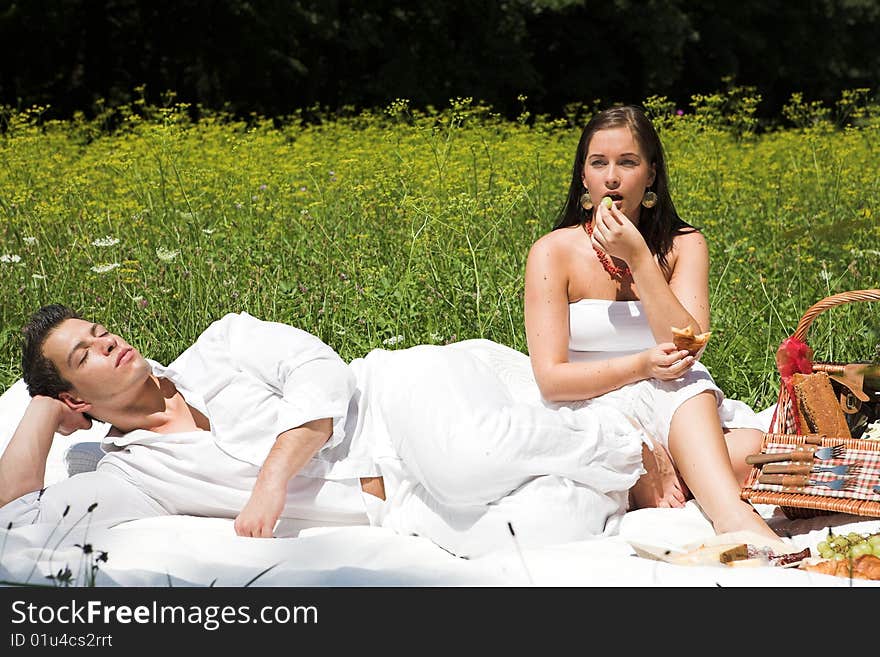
x=784, y=436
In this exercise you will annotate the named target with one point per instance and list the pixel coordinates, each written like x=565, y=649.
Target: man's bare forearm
x=23, y=464
x=291, y=451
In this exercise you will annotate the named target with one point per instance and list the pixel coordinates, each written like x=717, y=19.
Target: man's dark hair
x=40, y=373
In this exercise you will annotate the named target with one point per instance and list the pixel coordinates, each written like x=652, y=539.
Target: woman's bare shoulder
x=556, y=243
x=689, y=244
x=690, y=239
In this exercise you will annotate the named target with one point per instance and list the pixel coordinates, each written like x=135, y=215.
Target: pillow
x=68, y=454
x=83, y=457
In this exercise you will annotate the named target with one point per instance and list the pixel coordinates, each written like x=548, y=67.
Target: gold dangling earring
x=649, y=200
x=586, y=201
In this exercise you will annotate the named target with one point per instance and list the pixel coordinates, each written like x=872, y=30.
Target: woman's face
x=616, y=166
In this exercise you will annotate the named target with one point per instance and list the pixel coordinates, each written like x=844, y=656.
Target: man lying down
x=260, y=421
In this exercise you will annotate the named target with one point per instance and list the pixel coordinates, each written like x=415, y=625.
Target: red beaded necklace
x=614, y=270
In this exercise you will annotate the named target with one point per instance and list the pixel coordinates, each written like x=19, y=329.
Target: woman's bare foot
x=660, y=486
x=743, y=517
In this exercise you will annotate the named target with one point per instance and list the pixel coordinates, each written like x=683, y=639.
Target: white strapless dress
x=601, y=329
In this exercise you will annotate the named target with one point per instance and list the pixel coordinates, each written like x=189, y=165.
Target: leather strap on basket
x=793, y=353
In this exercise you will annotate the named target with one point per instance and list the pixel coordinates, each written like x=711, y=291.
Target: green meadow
x=401, y=226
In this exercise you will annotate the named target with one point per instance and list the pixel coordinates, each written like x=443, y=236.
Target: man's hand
x=63, y=420
x=291, y=451
x=71, y=421
x=258, y=517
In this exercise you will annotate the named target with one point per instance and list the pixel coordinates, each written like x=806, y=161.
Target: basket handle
x=829, y=302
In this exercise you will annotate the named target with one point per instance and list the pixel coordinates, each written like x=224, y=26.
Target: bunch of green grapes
x=849, y=546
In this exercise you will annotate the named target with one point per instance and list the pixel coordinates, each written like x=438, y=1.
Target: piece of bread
x=685, y=339
x=866, y=566
x=702, y=555
x=818, y=405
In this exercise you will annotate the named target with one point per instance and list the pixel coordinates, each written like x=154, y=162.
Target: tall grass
x=396, y=227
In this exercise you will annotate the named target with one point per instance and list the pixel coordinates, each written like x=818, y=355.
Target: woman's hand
x=666, y=363
x=616, y=235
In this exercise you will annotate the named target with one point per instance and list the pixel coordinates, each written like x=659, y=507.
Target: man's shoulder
x=228, y=320
x=209, y=340
x=244, y=331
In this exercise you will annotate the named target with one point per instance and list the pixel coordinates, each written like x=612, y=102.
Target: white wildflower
x=104, y=267
x=436, y=337
x=393, y=340
x=208, y=231
x=10, y=258
x=109, y=240
x=30, y=241
x=166, y=255
x=860, y=253
x=37, y=277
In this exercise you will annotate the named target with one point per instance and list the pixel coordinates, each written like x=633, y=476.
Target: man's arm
x=291, y=451
x=23, y=464
x=278, y=376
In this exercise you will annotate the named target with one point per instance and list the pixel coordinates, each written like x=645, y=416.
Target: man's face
x=101, y=366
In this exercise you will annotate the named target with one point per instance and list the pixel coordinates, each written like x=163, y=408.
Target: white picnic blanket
x=193, y=551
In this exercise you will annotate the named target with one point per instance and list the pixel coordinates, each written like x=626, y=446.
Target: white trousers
x=475, y=456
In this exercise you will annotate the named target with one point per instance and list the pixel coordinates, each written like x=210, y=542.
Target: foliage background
x=273, y=57
x=398, y=226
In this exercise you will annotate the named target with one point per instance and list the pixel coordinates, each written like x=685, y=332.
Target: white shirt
x=253, y=380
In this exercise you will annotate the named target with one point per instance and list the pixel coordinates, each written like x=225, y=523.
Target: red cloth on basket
x=793, y=355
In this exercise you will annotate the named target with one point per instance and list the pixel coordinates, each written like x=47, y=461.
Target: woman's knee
x=696, y=414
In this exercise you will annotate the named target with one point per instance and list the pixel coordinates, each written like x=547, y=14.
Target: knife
x=800, y=481
x=788, y=468
x=793, y=481
x=802, y=455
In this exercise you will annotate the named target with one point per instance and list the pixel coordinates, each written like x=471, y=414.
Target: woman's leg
x=741, y=443
x=661, y=486
x=697, y=445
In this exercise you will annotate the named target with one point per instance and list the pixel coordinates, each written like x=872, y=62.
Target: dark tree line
x=274, y=56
